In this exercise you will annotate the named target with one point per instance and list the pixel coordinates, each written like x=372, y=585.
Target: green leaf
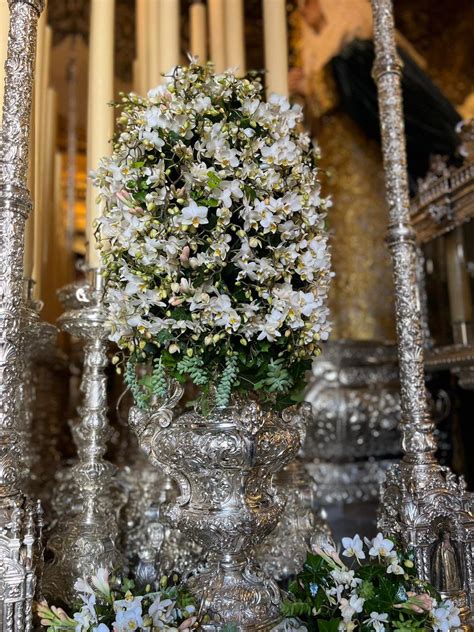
x=366, y=589
x=249, y=192
x=213, y=180
x=296, y=609
x=385, y=597
x=164, y=336
x=181, y=313
x=328, y=626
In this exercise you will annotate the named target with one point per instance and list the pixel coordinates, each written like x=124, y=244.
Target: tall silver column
x=18, y=530
x=422, y=503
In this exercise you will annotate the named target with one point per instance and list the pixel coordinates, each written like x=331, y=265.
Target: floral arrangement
x=110, y=605
x=212, y=238
x=379, y=592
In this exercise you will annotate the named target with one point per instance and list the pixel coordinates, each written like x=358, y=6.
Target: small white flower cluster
x=150, y=612
x=349, y=593
x=213, y=231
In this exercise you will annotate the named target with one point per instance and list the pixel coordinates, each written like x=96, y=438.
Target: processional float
x=421, y=502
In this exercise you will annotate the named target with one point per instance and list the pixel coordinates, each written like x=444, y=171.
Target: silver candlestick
x=422, y=503
x=85, y=537
x=18, y=527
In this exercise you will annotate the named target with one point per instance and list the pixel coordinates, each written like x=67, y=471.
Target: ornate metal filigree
x=283, y=553
x=224, y=465
x=445, y=196
x=419, y=495
x=149, y=544
x=41, y=364
x=18, y=516
x=353, y=436
x=86, y=532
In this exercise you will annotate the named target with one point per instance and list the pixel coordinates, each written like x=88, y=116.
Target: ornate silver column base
x=353, y=437
x=20, y=558
x=85, y=538
x=429, y=510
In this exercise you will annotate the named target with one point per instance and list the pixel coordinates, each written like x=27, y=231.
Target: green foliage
x=229, y=377
x=131, y=380
x=144, y=388
x=277, y=378
x=328, y=626
x=159, y=385
x=230, y=627
x=403, y=597
x=194, y=367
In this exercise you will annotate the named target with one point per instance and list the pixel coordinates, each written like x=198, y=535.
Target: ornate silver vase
x=224, y=464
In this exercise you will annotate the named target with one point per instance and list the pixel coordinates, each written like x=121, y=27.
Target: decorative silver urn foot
x=224, y=464
x=235, y=591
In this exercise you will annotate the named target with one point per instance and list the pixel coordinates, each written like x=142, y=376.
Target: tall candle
x=216, y=31
x=153, y=39
x=169, y=34
x=235, y=35
x=43, y=57
x=60, y=227
x=59, y=259
x=4, y=25
x=49, y=264
x=141, y=39
x=197, y=20
x=460, y=299
x=48, y=173
x=276, y=47
x=100, y=116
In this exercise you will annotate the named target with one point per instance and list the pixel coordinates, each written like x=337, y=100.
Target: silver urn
x=224, y=464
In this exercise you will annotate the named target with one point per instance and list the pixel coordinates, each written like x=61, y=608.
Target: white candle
x=197, y=20
x=48, y=172
x=100, y=116
x=141, y=40
x=153, y=39
x=42, y=72
x=235, y=35
x=59, y=215
x=169, y=35
x=276, y=47
x=460, y=299
x=4, y=25
x=216, y=31
x=49, y=263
